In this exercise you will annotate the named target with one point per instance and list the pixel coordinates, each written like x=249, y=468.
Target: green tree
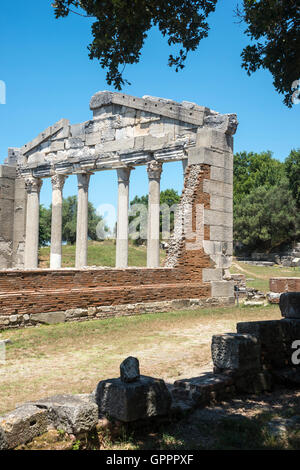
x=266, y=218
x=274, y=29
x=292, y=168
x=70, y=220
x=45, y=226
x=252, y=170
x=121, y=27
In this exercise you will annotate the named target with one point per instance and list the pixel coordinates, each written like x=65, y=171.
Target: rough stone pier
x=125, y=132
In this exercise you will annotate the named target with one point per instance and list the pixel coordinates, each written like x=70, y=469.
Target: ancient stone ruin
x=125, y=132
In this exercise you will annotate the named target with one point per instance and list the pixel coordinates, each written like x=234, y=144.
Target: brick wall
x=284, y=284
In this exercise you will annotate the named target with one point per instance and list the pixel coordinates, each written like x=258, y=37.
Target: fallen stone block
x=130, y=370
x=145, y=398
x=73, y=414
x=235, y=352
x=289, y=305
x=22, y=425
x=203, y=390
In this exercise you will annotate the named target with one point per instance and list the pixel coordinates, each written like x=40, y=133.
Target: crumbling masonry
x=125, y=132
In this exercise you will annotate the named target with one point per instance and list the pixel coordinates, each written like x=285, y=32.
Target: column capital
x=83, y=180
x=32, y=184
x=123, y=174
x=58, y=181
x=154, y=169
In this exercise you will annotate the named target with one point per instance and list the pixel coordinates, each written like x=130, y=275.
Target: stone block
x=7, y=171
x=222, y=289
x=214, y=139
x=143, y=399
x=235, y=352
x=49, y=318
x=217, y=188
x=93, y=139
x=221, y=234
x=212, y=274
x=289, y=304
x=22, y=425
x=221, y=174
x=74, y=143
x=212, y=157
x=74, y=414
x=220, y=218
x=221, y=203
x=130, y=370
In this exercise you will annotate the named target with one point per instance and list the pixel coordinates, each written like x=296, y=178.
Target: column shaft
x=122, y=223
x=58, y=182
x=153, y=245
x=82, y=220
x=33, y=187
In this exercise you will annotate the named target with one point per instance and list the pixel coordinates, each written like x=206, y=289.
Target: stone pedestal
x=58, y=182
x=154, y=173
x=33, y=187
x=82, y=220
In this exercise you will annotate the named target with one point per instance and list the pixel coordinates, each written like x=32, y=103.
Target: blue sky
x=48, y=75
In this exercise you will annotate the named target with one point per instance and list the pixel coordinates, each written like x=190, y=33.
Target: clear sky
x=48, y=75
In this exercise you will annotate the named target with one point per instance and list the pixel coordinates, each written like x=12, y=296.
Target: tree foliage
x=265, y=200
x=292, y=168
x=69, y=222
x=267, y=218
x=274, y=28
x=121, y=27
x=251, y=170
x=45, y=226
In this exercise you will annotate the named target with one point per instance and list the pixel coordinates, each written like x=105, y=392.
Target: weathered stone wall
x=7, y=199
x=12, y=218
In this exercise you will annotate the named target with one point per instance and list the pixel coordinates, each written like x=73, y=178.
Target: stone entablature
x=124, y=131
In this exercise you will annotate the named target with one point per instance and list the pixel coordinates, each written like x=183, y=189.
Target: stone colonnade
x=33, y=186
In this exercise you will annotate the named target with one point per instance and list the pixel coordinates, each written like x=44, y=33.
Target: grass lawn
x=73, y=357
x=262, y=274
x=99, y=254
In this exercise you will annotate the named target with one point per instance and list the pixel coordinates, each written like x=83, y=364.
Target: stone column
x=122, y=223
x=58, y=182
x=82, y=220
x=33, y=187
x=154, y=173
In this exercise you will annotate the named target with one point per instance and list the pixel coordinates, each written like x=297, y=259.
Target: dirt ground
x=73, y=357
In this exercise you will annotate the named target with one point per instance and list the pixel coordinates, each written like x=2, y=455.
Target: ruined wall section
x=7, y=199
